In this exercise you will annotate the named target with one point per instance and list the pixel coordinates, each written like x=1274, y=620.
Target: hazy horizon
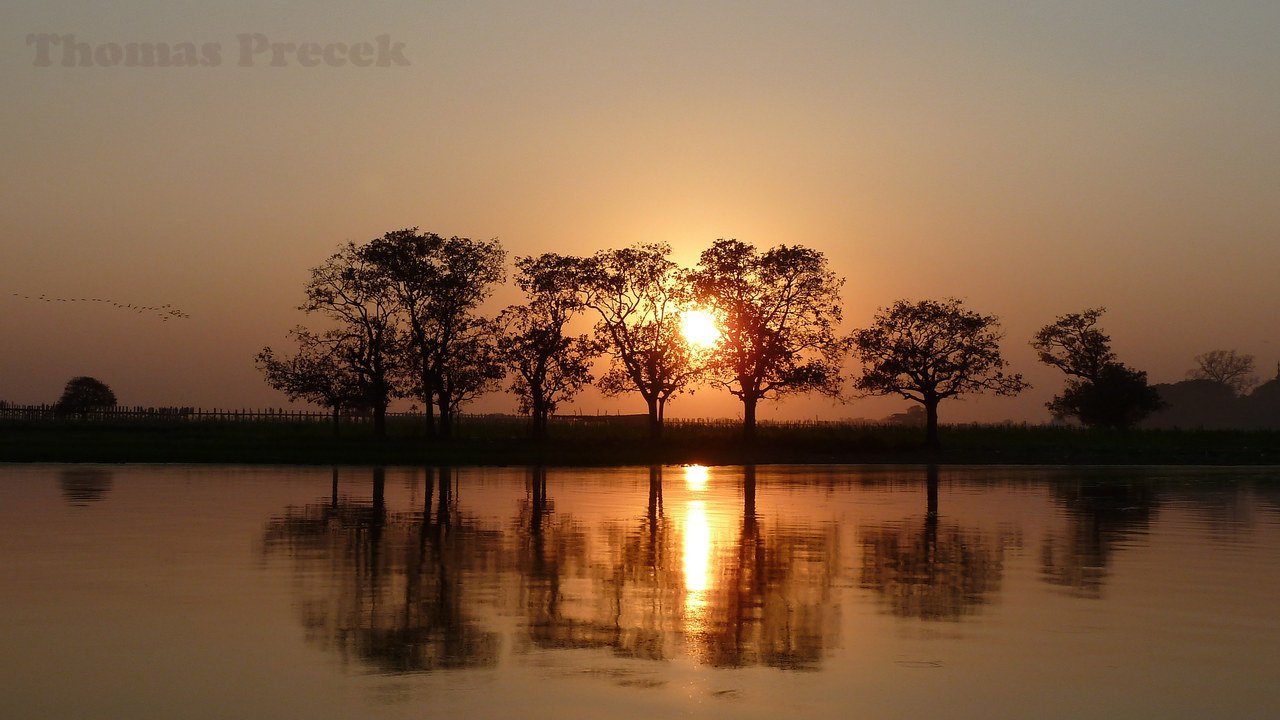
x=1033, y=159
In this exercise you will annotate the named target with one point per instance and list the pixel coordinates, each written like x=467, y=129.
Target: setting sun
x=699, y=328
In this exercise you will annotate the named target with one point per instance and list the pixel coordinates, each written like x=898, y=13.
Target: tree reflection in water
x=388, y=590
x=84, y=485
x=1103, y=514
x=773, y=600
x=689, y=584
x=705, y=579
x=933, y=570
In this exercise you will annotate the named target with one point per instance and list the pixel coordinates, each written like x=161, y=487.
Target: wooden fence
x=10, y=411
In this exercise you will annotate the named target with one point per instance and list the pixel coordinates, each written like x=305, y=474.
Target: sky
x=1032, y=158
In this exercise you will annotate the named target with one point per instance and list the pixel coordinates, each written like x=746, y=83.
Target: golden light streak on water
x=695, y=477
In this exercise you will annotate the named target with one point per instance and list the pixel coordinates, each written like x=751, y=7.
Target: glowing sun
x=699, y=328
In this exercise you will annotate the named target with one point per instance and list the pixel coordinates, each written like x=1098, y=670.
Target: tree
x=1227, y=367
x=778, y=310
x=638, y=293
x=318, y=373
x=929, y=351
x=548, y=366
x=83, y=395
x=352, y=292
x=437, y=286
x=1119, y=397
x=1100, y=391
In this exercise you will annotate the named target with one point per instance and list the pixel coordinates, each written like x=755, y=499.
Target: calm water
x=780, y=591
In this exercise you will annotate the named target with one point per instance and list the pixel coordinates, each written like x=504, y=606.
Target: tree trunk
x=427, y=398
x=655, y=418
x=446, y=417
x=380, y=421
x=539, y=417
x=337, y=427
x=749, y=416
x=931, y=424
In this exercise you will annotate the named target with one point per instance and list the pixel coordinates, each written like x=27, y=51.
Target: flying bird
x=165, y=312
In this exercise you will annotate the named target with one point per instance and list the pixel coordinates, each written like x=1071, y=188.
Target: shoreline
x=481, y=444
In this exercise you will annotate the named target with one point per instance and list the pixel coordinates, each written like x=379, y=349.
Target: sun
x=699, y=328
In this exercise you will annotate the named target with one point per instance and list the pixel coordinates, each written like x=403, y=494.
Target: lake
x=758, y=592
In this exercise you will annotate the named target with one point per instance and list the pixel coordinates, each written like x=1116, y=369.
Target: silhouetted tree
x=549, y=367
x=353, y=293
x=929, y=351
x=1100, y=391
x=1227, y=367
x=437, y=285
x=83, y=395
x=638, y=293
x=318, y=373
x=1118, y=398
x=778, y=311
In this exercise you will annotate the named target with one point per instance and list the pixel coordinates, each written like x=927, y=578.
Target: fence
x=10, y=411
x=185, y=414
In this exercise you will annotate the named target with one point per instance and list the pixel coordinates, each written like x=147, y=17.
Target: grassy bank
x=502, y=443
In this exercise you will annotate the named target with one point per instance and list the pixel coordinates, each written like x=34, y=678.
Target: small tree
x=318, y=373
x=932, y=350
x=779, y=310
x=548, y=366
x=1227, y=367
x=83, y=395
x=1100, y=391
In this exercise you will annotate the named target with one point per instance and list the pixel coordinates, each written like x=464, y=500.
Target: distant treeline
x=1214, y=405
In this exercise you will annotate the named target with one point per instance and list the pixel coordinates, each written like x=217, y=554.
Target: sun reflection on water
x=697, y=552
x=695, y=477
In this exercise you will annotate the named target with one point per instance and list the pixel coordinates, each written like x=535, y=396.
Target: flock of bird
x=165, y=312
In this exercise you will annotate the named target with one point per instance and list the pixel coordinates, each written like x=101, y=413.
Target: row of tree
x=403, y=320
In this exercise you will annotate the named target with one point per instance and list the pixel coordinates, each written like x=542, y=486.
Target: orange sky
x=1033, y=158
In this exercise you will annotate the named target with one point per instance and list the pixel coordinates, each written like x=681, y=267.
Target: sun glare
x=699, y=328
x=695, y=476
